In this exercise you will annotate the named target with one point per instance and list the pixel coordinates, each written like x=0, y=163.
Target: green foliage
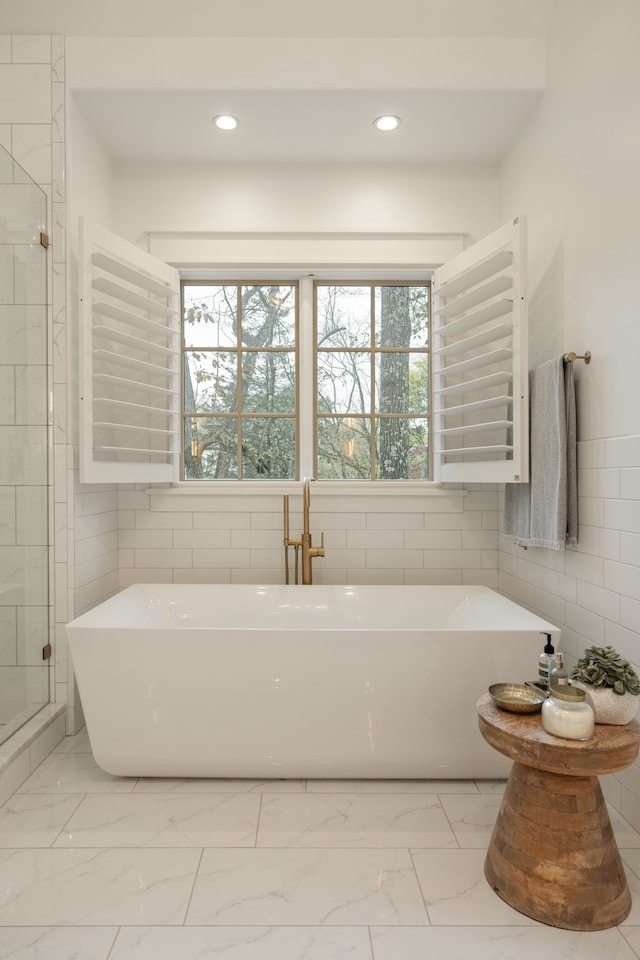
x=604, y=667
x=239, y=381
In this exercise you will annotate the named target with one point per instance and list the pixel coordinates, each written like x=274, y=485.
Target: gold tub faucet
x=305, y=543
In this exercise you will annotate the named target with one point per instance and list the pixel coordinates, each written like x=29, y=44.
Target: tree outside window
x=372, y=398
x=369, y=374
x=240, y=381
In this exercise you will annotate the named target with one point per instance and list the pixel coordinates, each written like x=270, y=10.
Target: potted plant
x=611, y=684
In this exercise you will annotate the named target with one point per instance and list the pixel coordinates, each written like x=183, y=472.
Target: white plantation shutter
x=480, y=364
x=129, y=356
x=130, y=336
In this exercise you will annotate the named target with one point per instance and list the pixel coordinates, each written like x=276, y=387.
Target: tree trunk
x=395, y=331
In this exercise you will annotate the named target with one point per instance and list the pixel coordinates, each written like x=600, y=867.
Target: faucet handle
x=320, y=549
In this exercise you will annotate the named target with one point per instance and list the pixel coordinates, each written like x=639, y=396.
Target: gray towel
x=544, y=512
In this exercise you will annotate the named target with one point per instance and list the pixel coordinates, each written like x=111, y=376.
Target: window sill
x=359, y=488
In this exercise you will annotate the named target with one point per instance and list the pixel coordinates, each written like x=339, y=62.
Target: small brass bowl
x=516, y=698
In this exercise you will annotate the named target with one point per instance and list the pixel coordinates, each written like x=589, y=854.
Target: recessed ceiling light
x=225, y=122
x=387, y=122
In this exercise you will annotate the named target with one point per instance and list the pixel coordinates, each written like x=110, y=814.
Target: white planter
x=610, y=707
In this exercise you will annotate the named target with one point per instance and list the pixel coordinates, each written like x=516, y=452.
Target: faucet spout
x=309, y=552
x=306, y=506
x=305, y=543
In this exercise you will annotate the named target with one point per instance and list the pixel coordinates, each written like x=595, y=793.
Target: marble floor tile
x=79, y=743
x=94, y=867
x=632, y=936
x=456, y=893
x=348, y=820
x=34, y=820
x=78, y=773
x=391, y=786
x=491, y=786
x=139, y=820
x=242, y=943
x=299, y=887
x=631, y=862
x=95, y=887
x=472, y=818
x=631, y=859
x=187, y=785
x=625, y=835
x=56, y=943
x=497, y=943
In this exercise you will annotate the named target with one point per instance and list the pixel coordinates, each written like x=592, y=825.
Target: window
x=242, y=367
x=372, y=381
x=240, y=380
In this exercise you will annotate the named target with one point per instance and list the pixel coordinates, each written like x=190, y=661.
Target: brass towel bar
x=570, y=357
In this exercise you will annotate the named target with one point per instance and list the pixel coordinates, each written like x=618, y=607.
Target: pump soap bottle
x=545, y=662
x=558, y=676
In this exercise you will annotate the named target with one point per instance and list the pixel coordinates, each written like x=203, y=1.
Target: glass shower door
x=24, y=433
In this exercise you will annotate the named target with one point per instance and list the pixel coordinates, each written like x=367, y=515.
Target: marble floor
x=94, y=867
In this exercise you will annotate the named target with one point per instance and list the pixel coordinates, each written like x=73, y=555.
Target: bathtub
x=198, y=680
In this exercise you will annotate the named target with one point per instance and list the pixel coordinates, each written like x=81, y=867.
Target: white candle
x=566, y=714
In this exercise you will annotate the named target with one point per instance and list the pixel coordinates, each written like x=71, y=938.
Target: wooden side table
x=553, y=855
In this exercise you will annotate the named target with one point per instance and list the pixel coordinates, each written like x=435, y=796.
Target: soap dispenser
x=558, y=676
x=545, y=662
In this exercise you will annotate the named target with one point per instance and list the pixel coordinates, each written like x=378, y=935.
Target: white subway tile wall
x=225, y=537
x=592, y=592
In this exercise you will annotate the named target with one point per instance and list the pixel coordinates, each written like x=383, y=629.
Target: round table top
x=520, y=736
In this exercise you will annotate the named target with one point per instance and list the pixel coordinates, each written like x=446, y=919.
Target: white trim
x=304, y=251
x=304, y=374
x=359, y=488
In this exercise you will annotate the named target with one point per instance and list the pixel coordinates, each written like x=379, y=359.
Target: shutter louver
x=480, y=362
x=129, y=363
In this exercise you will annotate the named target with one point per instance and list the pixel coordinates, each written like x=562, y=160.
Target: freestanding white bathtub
x=198, y=680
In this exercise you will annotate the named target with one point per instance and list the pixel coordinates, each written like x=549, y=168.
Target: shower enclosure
x=24, y=448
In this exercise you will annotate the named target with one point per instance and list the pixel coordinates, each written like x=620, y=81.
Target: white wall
x=305, y=197
x=90, y=172
x=575, y=170
x=94, y=539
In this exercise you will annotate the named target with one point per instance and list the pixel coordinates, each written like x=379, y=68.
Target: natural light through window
x=372, y=396
x=240, y=381
x=365, y=372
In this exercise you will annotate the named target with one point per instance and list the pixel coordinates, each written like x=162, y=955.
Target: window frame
x=373, y=352
x=306, y=367
x=240, y=350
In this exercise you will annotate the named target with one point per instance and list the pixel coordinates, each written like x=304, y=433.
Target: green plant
x=604, y=667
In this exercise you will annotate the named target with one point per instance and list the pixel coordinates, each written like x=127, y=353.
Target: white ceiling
x=292, y=109
x=309, y=126
x=279, y=18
